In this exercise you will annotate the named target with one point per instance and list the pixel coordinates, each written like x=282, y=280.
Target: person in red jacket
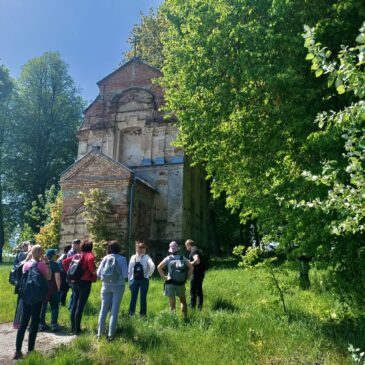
x=81, y=287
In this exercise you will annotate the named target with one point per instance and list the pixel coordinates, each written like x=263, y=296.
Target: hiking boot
x=55, y=327
x=17, y=355
x=110, y=338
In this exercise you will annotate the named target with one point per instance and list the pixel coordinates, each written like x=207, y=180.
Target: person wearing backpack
x=84, y=263
x=141, y=268
x=33, y=289
x=179, y=270
x=196, y=280
x=53, y=295
x=64, y=284
x=112, y=271
x=75, y=249
x=15, y=279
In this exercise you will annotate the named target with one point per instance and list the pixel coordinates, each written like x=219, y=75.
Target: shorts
x=171, y=290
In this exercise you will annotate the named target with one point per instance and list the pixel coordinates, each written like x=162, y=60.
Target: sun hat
x=173, y=247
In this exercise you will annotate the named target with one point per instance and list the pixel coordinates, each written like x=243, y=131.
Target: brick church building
x=125, y=149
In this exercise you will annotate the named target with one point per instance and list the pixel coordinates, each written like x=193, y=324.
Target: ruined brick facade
x=125, y=149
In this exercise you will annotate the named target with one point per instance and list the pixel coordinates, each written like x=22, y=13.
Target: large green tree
x=245, y=101
x=6, y=87
x=47, y=111
x=343, y=177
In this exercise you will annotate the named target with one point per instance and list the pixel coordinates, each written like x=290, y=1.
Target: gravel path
x=46, y=342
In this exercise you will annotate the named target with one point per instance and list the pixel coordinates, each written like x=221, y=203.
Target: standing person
x=196, y=280
x=179, y=269
x=25, y=247
x=53, y=295
x=74, y=250
x=82, y=287
x=64, y=284
x=37, y=269
x=113, y=272
x=20, y=258
x=141, y=268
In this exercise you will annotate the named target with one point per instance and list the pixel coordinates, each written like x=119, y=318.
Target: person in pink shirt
x=31, y=311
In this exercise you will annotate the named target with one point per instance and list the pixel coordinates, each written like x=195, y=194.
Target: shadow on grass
x=221, y=304
x=341, y=332
x=144, y=338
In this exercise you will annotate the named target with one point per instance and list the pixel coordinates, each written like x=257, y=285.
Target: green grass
x=242, y=323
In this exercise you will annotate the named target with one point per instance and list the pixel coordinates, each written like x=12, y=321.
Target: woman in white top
x=141, y=268
x=112, y=271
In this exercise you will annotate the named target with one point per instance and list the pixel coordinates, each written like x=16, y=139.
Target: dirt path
x=46, y=342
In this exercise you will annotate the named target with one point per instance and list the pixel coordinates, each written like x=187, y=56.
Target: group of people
x=76, y=269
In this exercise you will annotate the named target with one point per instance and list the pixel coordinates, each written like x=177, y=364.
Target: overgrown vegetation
x=241, y=323
x=235, y=76
x=97, y=206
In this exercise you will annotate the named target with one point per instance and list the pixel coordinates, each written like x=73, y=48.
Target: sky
x=90, y=35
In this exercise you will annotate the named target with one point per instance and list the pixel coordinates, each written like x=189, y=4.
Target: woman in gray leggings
x=112, y=271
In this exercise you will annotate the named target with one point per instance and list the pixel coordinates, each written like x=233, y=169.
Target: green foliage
x=50, y=234
x=47, y=109
x=342, y=177
x=97, y=209
x=40, y=212
x=345, y=182
x=6, y=88
x=245, y=101
x=26, y=234
x=6, y=84
x=249, y=257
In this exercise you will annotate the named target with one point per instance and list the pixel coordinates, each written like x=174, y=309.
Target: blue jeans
x=135, y=286
x=111, y=296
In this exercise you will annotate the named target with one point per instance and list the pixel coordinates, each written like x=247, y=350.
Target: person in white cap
x=179, y=270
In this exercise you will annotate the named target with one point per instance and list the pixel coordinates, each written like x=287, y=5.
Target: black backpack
x=34, y=286
x=75, y=271
x=138, y=272
x=15, y=275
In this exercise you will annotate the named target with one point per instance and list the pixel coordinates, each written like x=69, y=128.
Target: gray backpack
x=177, y=270
x=110, y=272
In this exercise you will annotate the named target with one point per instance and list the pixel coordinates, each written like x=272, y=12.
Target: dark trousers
x=29, y=311
x=81, y=291
x=196, y=290
x=64, y=289
x=54, y=303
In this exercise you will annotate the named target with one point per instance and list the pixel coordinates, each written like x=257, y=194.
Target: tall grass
x=242, y=323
